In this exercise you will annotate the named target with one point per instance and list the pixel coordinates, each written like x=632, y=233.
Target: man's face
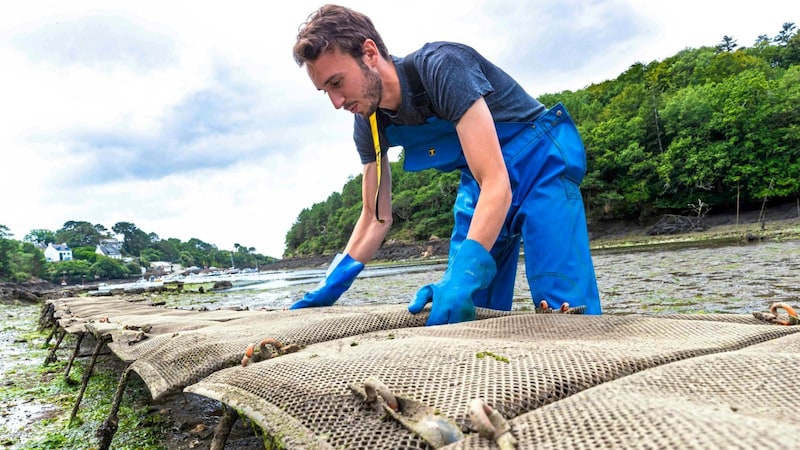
x=349, y=82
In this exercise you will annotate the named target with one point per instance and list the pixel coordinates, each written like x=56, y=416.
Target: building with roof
x=57, y=252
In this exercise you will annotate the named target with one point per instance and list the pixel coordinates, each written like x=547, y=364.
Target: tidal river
x=729, y=277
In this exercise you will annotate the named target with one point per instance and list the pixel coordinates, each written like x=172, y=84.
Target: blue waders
x=546, y=162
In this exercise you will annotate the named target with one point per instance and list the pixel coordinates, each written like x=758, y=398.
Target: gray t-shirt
x=454, y=77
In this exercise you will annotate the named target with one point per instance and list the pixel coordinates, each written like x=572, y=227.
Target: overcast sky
x=191, y=120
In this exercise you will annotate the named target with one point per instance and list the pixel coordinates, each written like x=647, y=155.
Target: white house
x=109, y=242
x=57, y=252
x=110, y=248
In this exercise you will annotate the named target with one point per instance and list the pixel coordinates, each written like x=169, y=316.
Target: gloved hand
x=338, y=278
x=471, y=269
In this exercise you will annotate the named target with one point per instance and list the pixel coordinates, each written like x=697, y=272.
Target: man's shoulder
x=444, y=56
x=437, y=54
x=441, y=48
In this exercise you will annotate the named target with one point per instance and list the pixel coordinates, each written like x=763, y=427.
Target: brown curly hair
x=332, y=27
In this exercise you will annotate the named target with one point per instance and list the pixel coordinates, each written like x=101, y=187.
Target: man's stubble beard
x=373, y=89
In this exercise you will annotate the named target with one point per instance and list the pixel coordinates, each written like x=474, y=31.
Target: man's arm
x=472, y=267
x=368, y=234
x=478, y=137
x=365, y=240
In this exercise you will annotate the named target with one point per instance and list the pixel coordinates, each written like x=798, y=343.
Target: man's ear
x=371, y=52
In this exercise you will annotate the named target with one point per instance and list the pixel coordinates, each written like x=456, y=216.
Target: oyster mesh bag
x=169, y=362
x=560, y=381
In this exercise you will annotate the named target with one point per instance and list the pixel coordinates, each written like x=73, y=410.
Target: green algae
x=45, y=398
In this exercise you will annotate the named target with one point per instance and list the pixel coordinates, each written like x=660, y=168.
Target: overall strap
x=373, y=125
x=418, y=95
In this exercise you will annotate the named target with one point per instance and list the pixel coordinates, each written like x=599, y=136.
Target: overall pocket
x=434, y=145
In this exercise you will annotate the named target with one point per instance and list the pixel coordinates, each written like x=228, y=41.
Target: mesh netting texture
x=172, y=348
x=73, y=313
x=740, y=399
x=168, y=363
x=540, y=371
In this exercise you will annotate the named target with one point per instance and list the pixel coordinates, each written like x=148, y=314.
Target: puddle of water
x=19, y=414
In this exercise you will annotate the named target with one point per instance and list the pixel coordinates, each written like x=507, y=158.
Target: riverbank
x=774, y=222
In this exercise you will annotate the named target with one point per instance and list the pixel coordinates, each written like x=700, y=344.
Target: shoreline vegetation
x=772, y=222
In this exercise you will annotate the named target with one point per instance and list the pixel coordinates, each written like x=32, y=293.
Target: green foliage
x=85, y=253
x=140, y=427
x=186, y=259
x=6, y=247
x=135, y=239
x=109, y=268
x=80, y=234
x=40, y=236
x=715, y=124
x=69, y=271
x=27, y=261
x=19, y=261
x=422, y=204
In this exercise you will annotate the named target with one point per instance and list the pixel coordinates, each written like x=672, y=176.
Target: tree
x=106, y=267
x=727, y=45
x=785, y=35
x=26, y=262
x=150, y=255
x=80, y=234
x=6, y=247
x=135, y=240
x=41, y=236
x=85, y=253
x=73, y=271
x=169, y=249
x=186, y=259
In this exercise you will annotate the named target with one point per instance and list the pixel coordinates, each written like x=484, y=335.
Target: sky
x=190, y=119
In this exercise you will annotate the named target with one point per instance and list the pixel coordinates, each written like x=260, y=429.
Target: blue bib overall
x=546, y=162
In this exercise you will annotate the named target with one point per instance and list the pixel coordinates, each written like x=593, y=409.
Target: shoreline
x=778, y=222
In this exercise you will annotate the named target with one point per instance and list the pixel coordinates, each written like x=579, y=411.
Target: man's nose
x=337, y=99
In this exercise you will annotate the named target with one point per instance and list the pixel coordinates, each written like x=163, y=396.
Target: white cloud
x=190, y=119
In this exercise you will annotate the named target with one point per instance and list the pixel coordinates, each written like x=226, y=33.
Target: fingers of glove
x=318, y=297
x=439, y=315
x=450, y=312
x=424, y=295
x=451, y=306
x=300, y=304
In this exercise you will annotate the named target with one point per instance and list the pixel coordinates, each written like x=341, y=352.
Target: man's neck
x=391, y=97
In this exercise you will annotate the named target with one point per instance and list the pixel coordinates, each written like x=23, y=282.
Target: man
x=450, y=109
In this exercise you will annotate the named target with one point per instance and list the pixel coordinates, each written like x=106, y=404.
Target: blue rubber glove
x=471, y=269
x=340, y=275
